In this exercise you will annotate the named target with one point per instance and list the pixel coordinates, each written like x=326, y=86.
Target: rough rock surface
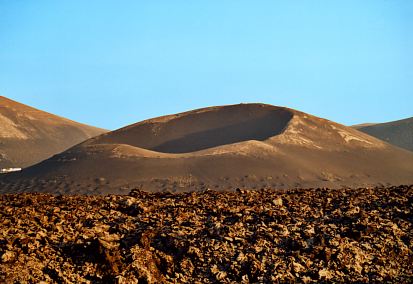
x=261, y=236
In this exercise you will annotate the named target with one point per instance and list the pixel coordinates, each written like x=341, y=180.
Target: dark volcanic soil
x=223, y=148
x=316, y=235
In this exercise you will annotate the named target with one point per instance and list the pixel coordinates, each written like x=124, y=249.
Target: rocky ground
x=264, y=236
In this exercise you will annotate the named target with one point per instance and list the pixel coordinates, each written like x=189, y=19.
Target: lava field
x=246, y=236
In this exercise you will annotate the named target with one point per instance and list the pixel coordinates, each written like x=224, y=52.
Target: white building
x=9, y=170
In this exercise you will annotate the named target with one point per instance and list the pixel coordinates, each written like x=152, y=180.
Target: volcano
x=222, y=148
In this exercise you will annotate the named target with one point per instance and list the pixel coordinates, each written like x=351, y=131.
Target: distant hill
x=222, y=148
x=399, y=133
x=29, y=135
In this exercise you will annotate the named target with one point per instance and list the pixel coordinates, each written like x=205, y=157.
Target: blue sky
x=112, y=63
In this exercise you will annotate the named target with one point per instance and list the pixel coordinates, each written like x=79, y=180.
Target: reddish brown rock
x=301, y=235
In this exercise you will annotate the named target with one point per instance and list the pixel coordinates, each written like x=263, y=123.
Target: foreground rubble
x=265, y=236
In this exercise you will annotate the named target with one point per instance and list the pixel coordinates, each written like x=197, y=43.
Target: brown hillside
x=398, y=133
x=246, y=145
x=28, y=135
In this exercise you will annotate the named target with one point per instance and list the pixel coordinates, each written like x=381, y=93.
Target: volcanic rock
x=315, y=236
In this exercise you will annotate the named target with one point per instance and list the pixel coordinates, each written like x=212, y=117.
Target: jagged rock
x=248, y=236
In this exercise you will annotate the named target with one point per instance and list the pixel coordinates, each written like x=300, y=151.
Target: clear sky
x=112, y=63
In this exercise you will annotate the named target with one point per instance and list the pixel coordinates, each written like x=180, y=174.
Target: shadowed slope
x=399, y=133
x=202, y=129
